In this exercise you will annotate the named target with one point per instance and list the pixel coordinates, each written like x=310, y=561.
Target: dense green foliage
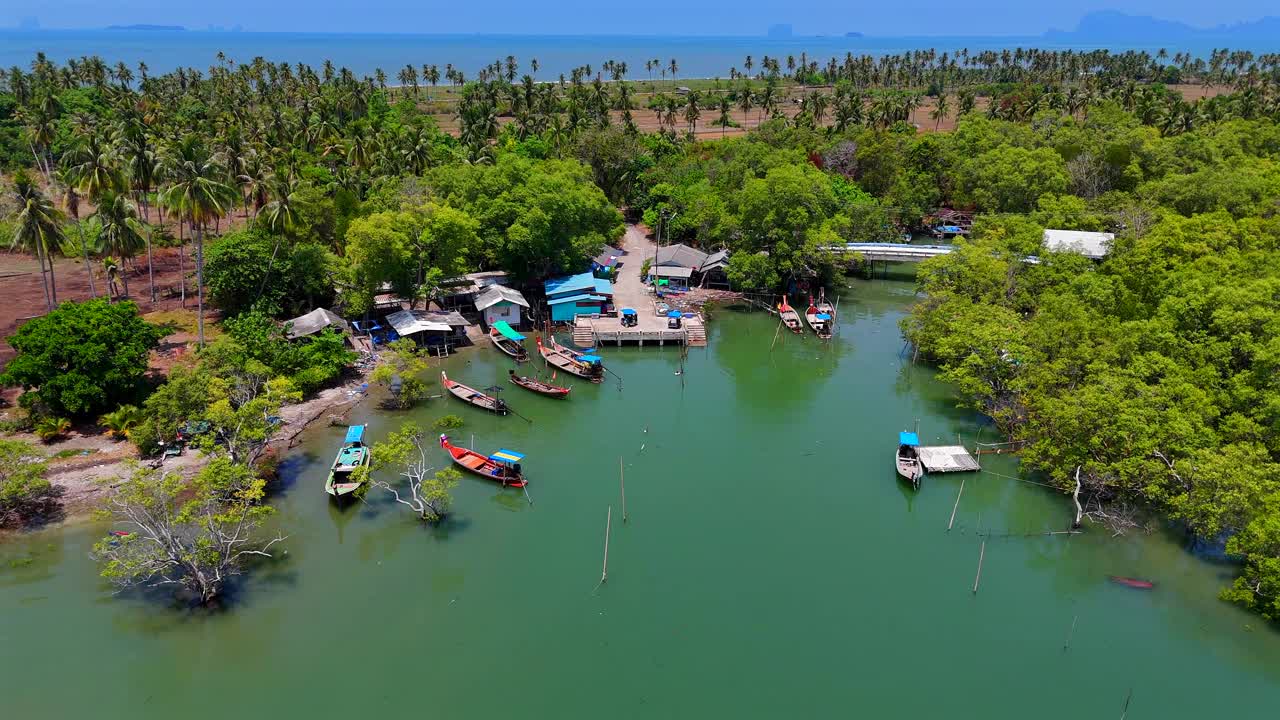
x=1153, y=372
x=250, y=269
x=82, y=358
x=24, y=493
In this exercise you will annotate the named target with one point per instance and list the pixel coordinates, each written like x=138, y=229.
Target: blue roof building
x=581, y=294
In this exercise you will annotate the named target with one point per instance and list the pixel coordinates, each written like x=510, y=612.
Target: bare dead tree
x=194, y=534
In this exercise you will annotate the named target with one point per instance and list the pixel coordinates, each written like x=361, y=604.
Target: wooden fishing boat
x=471, y=396
x=502, y=466
x=587, y=367
x=789, y=316
x=352, y=455
x=538, y=386
x=508, y=341
x=819, y=321
x=1134, y=583
x=907, y=460
x=824, y=307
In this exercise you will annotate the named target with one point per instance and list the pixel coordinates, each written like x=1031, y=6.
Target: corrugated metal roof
x=680, y=255
x=495, y=294
x=1090, y=244
x=671, y=271
x=576, y=298
x=570, y=284
x=315, y=321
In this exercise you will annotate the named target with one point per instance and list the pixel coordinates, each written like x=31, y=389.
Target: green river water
x=772, y=566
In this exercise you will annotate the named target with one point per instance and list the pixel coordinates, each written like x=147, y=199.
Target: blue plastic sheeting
x=590, y=358
x=908, y=438
x=355, y=434
x=823, y=316
x=674, y=314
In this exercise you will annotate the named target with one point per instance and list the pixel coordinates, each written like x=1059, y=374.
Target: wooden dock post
x=622, y=480
x=1070, y=632
x=957, y=505
x=978, y=578
x=608, y=523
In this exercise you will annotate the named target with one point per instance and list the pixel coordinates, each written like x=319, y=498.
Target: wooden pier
x=947, y=458
x=590, y=331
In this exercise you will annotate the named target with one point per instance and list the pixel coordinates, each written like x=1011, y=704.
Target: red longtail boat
x=1134, y=583
x=789, y=316
x=502, y=466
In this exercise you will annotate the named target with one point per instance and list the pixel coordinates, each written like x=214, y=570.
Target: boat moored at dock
x=508, y=341
x=471, y=396
x=907, y=459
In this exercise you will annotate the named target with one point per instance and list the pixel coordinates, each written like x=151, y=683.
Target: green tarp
x=505, y=330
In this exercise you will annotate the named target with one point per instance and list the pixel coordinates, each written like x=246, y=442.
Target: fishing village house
x=581, y=294
x=499, y=303
x=682, y=267
x=461, y=292
x=430, y=328
x=606, y=264
x=315, y=321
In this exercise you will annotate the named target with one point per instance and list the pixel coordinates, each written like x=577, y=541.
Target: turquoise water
x=362, y=53
x=772, y=566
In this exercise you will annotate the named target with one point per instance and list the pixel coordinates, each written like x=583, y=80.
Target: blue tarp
x=590, y=358
x=908, y=438
x=823, y=316
x=950, y=229
x=355, y=434
x=674, y=314
x=628, y=311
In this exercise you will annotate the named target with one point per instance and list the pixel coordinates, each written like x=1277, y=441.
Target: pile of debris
x=695, y=298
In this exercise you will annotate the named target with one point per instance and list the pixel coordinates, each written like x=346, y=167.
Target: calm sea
x=363, y=53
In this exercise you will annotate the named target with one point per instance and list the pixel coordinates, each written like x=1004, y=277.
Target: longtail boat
x=587, y=367
x=353, y=454
x=538, y=386
x=502, y=466
x=824, y=306
x=471, y=396
x=789, y=316
x=508, y=341
x=1134, y=583
x=907, y=459
x=818, y=320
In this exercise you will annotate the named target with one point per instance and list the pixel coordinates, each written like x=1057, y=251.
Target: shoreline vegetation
x=278, y=188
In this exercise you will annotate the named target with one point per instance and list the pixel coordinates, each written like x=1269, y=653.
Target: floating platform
x=947, y=458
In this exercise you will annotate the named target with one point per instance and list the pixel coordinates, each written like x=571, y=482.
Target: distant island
x=1110, y=26
x=148, y=28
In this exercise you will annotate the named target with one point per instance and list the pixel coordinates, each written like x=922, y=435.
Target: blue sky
x=710, y=17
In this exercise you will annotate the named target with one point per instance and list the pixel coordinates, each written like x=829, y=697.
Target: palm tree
x=939, y=111
x=120, y=228
x=38, y=227
x=195, y=193
x=725, y=119
x=65, y=183
x=140, y=168
x=692, y=112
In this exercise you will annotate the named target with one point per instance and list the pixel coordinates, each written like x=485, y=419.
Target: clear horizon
x=984, y=18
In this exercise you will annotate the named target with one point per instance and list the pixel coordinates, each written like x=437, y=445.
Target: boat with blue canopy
x=502, y=466
x=353, y=454
x=907, y=459
x=588, y=367
x=506, y=339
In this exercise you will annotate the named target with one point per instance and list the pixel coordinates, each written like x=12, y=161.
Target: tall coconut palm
x=195, y=194
x=121, y=232
x=65, y=183
x=138, y=158
x=38, y=227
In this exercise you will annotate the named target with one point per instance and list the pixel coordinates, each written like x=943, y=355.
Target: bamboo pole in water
x=978, y=578
x=608, y=523
x=956, y=506
x=622, y=480
x=1070, y=632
